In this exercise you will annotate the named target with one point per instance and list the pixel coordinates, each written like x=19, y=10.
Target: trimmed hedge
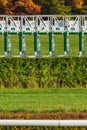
x=41, y=128
x=43, y=72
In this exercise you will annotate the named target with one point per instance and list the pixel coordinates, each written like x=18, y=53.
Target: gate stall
x=47, y=26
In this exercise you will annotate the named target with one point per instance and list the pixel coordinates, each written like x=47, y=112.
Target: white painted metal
x=29, y=24
x=58, y=24
x=43, y=23
x=43, y=122
x=2, y=24
x=13, y=24
x=73, y=23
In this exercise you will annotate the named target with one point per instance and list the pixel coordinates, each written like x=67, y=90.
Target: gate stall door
x=73, y=29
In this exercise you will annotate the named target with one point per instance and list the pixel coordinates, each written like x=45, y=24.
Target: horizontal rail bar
x=43, y=122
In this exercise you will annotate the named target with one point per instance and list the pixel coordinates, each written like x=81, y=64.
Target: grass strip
x=43, y=100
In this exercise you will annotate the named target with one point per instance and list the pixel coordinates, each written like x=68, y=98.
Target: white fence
x=43, y=122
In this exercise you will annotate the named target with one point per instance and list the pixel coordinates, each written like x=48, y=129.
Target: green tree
x=46, y=6
x=84, y=8
x=61, y=8
x=53, y=7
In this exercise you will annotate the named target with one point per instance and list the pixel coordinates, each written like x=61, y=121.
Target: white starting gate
x=43, y=23
x=48, y=24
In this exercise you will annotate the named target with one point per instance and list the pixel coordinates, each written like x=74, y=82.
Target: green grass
x=44, y=39
x=43, y=100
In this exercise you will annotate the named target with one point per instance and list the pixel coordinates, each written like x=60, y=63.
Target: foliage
x=25, y=7
x=43, y=7
x=42, y=128
x=43, y=72
x=53, y=7
x=62, y=6
x=77, y=4
x=4, y=7
x=19, y=7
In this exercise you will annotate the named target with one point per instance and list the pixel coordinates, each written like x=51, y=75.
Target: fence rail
x=43, y=122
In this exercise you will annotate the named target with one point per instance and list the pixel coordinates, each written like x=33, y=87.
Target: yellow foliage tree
x=5, y=7
x=3, y=2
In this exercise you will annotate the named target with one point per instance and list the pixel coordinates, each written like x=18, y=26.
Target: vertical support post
x=66, y=43
x=66, y=36
x=21, y=44
x=36, y=44
x=81, y=37
x=81, y=43
x=7, y=43
x=36, y=40
x=51, y=37
x=21, y=40
x=51, y=44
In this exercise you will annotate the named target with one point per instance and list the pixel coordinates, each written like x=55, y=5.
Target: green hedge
x=41, y=128
x=43, y=72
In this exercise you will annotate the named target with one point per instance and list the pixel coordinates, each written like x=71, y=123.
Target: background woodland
x=31, y=7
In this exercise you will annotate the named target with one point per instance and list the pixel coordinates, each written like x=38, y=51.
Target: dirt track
x=43, y=115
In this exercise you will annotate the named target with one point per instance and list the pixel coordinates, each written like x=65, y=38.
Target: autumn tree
x=4, y=6
x=78, y=4
x=10, y=7
x=25, y=7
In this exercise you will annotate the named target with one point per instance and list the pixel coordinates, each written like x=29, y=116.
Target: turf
x=43, y=100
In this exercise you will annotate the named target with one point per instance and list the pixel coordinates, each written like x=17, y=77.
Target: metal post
x=81, y=43
x=7, y=42
x=66, y=43
x=36, y=40
x=21, y=40
x=9, y=45
x=51, y=43
x=21, y=44
x=36, y=44
x=66, y=36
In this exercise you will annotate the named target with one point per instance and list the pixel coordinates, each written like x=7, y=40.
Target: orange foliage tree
x=25, y=7
x=19, y=7
x=3, y=6
x=78, y=4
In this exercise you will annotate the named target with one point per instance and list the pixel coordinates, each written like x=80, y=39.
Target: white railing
x=43, y=23
x=43, y=122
